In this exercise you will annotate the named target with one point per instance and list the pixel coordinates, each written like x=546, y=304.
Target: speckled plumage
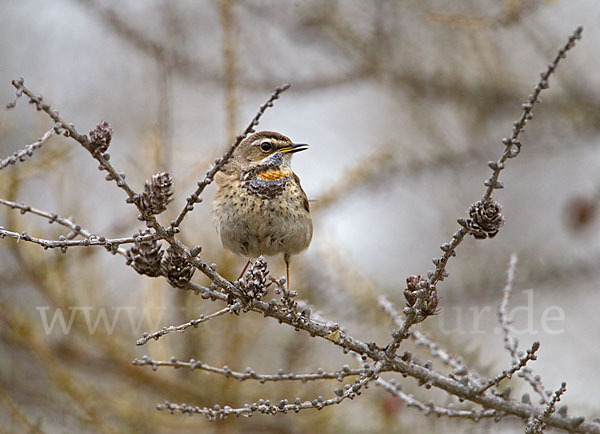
x=260, y=207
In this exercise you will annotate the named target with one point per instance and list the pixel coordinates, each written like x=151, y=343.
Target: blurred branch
x=74, y=389
x=384, y=164
x=194, y=69
x=229, y=56
x=17, y=413
x=511, y=343
x=514, y=12
x=537, y=425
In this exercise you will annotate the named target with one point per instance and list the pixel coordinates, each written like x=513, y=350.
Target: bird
x=260, y=207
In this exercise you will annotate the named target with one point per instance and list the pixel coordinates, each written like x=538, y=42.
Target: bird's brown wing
x=228, y=172
x=302, y=193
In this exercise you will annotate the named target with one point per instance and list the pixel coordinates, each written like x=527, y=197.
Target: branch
x=63, y=243
x=250, y=374
x=27, y=151
x=430, y=407
x=509, y=372
x=483, y=224
x=192, y=69
x=265, y=407
x=510, y=341
x=512, y=150
x=76, y=230
x=420, y=339
x=181, y=328
x=537, y=425
x=95, y=147
x=512, y=144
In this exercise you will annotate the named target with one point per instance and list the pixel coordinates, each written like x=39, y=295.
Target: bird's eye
x=265, y=146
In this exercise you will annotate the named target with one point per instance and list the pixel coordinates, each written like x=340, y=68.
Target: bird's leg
x=245, y=268
x=286, y=258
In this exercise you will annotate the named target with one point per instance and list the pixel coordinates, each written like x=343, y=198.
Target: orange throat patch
x=274, y=174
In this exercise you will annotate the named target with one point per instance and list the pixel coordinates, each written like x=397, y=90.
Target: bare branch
x=508, y=373
x=265, y=407
x=27, y=151
x=512, y=144
x=511, y=343
x=537, y=425
x=250, y=374
x=63, y=243
x=76, y=230
x=512, y=149
x=421, y=340
x=181, y=328
x=430, y=407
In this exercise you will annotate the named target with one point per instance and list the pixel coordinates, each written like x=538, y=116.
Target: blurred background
x=403, y=104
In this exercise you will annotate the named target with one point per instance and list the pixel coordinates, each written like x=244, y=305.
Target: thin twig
x=508, y=373
x=434, y=348
x=511, y=343
x=27, y=151
x=512, y=144
x=250, y=374
x=265, y=407
x=63, y=243
x=537, y=425
x=76, y=230
x=431, y=408
x=512, y=149
x=181, y=328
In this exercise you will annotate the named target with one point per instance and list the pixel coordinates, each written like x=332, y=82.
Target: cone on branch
x=157, y=194
x=145, y=256
x=255, y=280
x=176, y=268
x=418, y=288
x=100, y=137
x=486, y=219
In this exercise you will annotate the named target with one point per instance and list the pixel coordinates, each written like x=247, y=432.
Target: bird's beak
x=295, y=147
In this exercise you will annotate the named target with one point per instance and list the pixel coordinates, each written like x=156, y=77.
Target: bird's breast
x=274, y=174
x=267, y=184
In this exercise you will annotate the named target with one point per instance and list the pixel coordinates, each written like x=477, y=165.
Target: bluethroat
x=260, y=207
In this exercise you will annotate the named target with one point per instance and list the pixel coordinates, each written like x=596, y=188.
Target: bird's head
x=267, y=149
